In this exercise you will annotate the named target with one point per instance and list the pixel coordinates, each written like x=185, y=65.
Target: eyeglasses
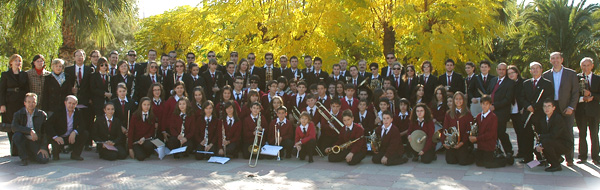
x=389, y=57
x=233, y=55
x=396, y=68
x=191, y=58
x=251, y=58
x=132, y=55
x=211, y=56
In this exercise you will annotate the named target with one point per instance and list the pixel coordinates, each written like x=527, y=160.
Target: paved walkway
x=187, y=173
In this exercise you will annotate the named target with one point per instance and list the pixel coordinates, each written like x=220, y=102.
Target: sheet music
x=110, y=147
x=533, y=163
x=157, y=142
x=164, y=151
x=204, y=152
x=270, y=150
x=218, y=159
x=178, y=150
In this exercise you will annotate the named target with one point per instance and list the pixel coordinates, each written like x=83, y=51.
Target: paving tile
x=493, y=176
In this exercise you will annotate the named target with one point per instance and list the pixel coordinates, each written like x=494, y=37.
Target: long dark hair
x=228, y=104
x=150, y=93
x=138, y=112
x=413, y=114
x=189, y=111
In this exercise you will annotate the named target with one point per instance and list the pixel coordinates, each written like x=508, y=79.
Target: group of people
x=126, y=106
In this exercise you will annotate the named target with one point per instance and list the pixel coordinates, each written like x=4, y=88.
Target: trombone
x=255, y=148
x=277, y=142
x=320, y=106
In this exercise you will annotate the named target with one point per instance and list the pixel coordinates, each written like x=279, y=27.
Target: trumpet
x=338, y=148
x=374, y=141
x=582, y=86
x=319, y=105
x=255, y=148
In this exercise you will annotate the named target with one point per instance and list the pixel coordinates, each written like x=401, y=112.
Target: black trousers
x=503, y=136
x=112, y=155
x=526, y=137
x=307, y=149
x=518, y=122
x=428, y=156
x=13, y=149
x=88, y=119
x=201, y=156
x=326, y=142
x=232, y=150
x=461, y=156
x=288, y=145
x=391, y=161
x=29, y=149
x=174, y=143
x=553, y=150
x=143, y=151
x=356, y=158
x=485, y=159
x=80, y=140
x=583, y=124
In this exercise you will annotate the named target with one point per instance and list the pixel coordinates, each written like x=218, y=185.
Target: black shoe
x=553, y=168
x=78, y=158
x=310, y=159
x=596, y=162
x=24, y=162
x=518, y=155
x=88, y=148
x=543, y=163
x=561, y=159
x=415, y=159
x=56, y=157
x=582, y=161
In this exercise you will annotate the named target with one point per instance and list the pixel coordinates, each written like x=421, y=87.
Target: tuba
x=338, y=148
x=255, y=148
x=374, y=141
x=451, y=137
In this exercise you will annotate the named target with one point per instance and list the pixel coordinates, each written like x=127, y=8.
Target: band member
x=107, y=134
x=183, y=128
x=156, y=95
x=285, y=130
x=566, y=93
x=269, y=68
x=58, y=85
x=311, y=108
x=386, y=71
x=375, y=72
x=354, y=152
x=316, y=75
x=439, y=105
x=461, y=118
x=165, y=68
x=529, y=99
x=144, y=82
x=322, y=96
x=587, y=111
x=243, y=72
x=195, y=79
x=171, y=103
x=124, y=105
x=355, y=78
x=100, y=85
x=470, y=75
x=502, y=96
x=253, y=84
x=349, y=101
x=233, y=132
x=554, y=137
x=253, y=96
x=481, y=82
x=142, y=129
x=487, y=135
x=451, y=80
x=213, y=79
x=402, y=121
x=255, y=70
x=238, y=92
x=409, y=82
x=328, y=134
x=123, y=76
x=420, y=119
x=306, y=138
x=339, y=90
x=229, y=76
x=384, y=105
x=516, y=107
x=226, y=95
x=198, y=101
x=268, y=98
x=67, y=127
x=365, y=116
x=208, y=124
x=30, y=136
x=393, y=98
x=336, y=75
x=298, y=101
x=249, y=127
x=275, y=103
x=396, y=78
x=362, y=69
x=418, y=95
x=293, y=72
x=282, y=87
x=390, y=151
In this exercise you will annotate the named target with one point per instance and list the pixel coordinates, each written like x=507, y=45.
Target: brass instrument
x=338, y=148
x=296, y=113
x=255, y=148
x=348, y=79
x=582, y=85
x=362, y=83
x=277, y=135
x=374, y=141
x=474, y=129
x=374, y=84
x=451, y=137
x=224, y=139
x=319, y=107
x=437, y=135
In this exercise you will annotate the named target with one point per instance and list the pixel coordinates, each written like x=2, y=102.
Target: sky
x=153, y=7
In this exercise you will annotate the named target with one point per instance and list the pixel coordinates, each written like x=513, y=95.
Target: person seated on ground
x=390, y=151
x=554, y=137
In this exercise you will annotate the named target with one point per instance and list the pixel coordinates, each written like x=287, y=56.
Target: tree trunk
x=389, y=38
x=68, y=34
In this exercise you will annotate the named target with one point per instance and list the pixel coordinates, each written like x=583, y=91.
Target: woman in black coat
x=13, y=87
x=515, y=115
x=101, y=87
x=58, y=85
x=123, y=76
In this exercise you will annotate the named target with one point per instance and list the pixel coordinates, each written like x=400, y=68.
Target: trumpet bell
x=336, y=149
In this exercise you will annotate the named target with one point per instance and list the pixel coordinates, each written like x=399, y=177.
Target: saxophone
x=338, y=148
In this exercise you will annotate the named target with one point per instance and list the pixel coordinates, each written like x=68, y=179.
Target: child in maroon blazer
x=208, y=124
x=156, y=93
x=420, y=119
x=141, y=129
x=286, y=132
x=390, y=152
x=233, y=132
x=461, y=118
x=365, y=116
x=306, y=138
x=171, y=105
x=487, y=135
x=328, y=134
x=349, y=101
x=357, y=151
x=249, y=127
x=182, y=119
x=439, y=104
x=402, y=121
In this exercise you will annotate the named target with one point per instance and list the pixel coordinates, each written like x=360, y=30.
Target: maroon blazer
x=464, y=128
x=346, y=106
x=487, y=134
x=213, y=133
x=233, y=133
x=191, y=127
x=311, y=134
x=292, y=102
x=249, y=126
x=161, y=115
x=391, y=144
x=316, y=118
x=326, y=130
x=438, y=114
x=244, y=111
x=357, y=132
x=286, y=131
x=428, y=128
x=402, y=124
x=218, y=109
x=368, y=122
x=139, y=129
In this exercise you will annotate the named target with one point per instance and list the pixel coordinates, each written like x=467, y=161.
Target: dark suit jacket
x=119, y=113
x=190, y=84
x=229, y=80
x=19, y=125
x=331, y=79
x=528, y=96
x=554, y=130
x=100, y=133
x=312, y=78
x=289, y=74
x=57, y=123
x=99, y=87
x=54, y=93
x=430, y=85
x=457, y=82
x=365, y=74
x=477, y=84
x=143, y=83
x=210, y=83
x=115, y=80
x=590, y=108
x=138, y=69
x=568, y=93
x=356, y=132
x=503, y=98
x=407, y=89
x=83, y=93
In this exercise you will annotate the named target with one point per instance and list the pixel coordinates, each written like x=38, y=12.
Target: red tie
x=104, y=79
x=79, y=76
x=495, y=88
x=213, y=76
x=112, y=71
x=109, y=125
x=123, y=106
x=153, y=80
x=534, y=84
x=178, y=77
x=397, y=82
x=484, y=79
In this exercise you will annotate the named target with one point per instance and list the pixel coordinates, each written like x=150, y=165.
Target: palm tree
x=556, y=25
x=80, y=19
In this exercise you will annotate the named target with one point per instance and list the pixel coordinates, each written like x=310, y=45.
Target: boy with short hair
x=349, y=101
x=487, y=135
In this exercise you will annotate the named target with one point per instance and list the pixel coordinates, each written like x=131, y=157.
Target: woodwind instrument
x=206, y=134
x=338, y=148
x=224, y=139
x=277, y=142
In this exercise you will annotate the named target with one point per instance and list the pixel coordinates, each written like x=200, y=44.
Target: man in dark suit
x=229, y=76
x=82, y=75
x=453, y=81
x=134, y=68
x=587, y=111
x=396, y=78
x=194, y=80
x=293, y=71
x=566, y=93
x=362, y=69
x=308, y=65
x=254, y=70
x=29, y=138
x=213, y=79
x=318, y=75
x=67, y=127
x=152, y=54
x=554, y=137
x=480, y=84
x=428, y=80
x=502, y=93
x=355, y=78
x=386, y=71
x=529, y=99
x=270, y=71
x=336, y=75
